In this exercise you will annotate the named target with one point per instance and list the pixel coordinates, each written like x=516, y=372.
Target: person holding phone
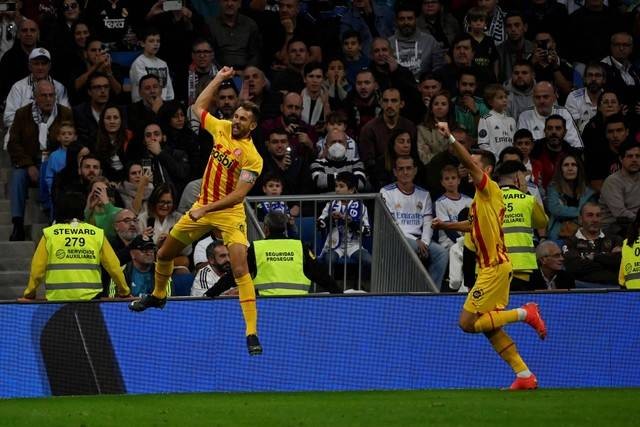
x=158, y=220
x=100, y=209
x=232, y=170
x=548, y=66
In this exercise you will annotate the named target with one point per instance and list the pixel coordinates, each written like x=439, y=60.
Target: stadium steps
x=15, y=257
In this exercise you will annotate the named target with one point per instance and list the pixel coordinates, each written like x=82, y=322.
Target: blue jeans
x=337, y=261
x=436, y=263
x=19, y=188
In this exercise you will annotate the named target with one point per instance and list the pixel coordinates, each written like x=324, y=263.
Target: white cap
x=39, y=52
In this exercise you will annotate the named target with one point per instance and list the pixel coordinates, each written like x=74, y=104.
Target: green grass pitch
x=585, y=407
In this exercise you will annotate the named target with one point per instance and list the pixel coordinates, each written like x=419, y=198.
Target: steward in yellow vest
x=282, y=266
x=629, y=276
x=69, y=254
x=522, y=214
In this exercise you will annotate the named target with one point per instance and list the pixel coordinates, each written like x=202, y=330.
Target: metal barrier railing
x=395, y=267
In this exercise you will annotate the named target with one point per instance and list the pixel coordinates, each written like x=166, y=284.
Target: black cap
x=228, y=84
x=142, y=242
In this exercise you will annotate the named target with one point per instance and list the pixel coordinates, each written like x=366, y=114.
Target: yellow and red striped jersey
x=487, y=215
x=229, y=158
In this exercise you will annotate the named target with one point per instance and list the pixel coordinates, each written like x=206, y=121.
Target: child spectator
x=335, y=83
x=337, y=120
x=345, y=221
x=496, y=128
x=273, y=186
x=354, y=59
x=149, y=63
x=65, y=135
x=523, y=140
x=485, y=55
x=449, y=205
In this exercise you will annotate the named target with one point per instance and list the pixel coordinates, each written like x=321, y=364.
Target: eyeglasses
x=202, y=52
x=128, y=220
x=165, y=203
x=70, y=6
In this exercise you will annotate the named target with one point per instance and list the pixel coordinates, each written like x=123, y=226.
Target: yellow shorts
x=232, y=224
x=491, y=290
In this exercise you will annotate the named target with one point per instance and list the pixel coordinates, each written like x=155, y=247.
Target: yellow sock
x=163, y=272
x=506, y=349
x=248, y=303
x=495, y=319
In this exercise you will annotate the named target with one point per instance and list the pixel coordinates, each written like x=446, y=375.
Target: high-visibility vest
x=280, y=265
x=517, y=228
x=73, y=266
x=630, y=265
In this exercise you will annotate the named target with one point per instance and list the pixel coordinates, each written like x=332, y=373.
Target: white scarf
x=192, y=81
x=313, y=117
x=43, y=125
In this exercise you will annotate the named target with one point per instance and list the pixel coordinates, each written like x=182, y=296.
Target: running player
x=233, y=167
x=483, y=310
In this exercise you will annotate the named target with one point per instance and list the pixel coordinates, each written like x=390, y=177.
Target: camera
x=543, y=44
x=170, y=5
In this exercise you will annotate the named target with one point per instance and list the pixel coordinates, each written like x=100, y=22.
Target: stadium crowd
x=98, y=97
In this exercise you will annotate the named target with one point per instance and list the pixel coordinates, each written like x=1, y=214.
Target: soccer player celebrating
x=483, y=310
x=232, y=169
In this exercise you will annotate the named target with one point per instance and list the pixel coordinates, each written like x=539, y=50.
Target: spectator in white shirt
x=449, y=205
x=149, y=63
x=583, y=103
x=218, y=264
x=411, y=207
x=496, y=128
x=21, y=92
x=544, y=105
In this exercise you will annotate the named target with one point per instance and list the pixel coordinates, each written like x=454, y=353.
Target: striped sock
x=248, y=303
x=493, y=320
x=506, y=349
x=162, y=275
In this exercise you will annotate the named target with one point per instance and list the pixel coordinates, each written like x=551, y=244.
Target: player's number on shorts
x=74, y=241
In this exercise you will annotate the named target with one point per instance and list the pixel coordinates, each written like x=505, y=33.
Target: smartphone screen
x=151, y=221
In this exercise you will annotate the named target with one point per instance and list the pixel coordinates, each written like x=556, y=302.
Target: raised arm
x=462, y=154
x=208, y=95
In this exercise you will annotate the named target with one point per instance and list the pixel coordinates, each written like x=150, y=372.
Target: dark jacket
x=13, y=67
x=170, y=166
x=86, y=125
x=24, y=148
x=592, y=260
x=562, y=280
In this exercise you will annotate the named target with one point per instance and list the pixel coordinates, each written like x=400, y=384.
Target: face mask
x=337, y=151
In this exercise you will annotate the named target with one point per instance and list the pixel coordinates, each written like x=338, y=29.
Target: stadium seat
x=182, y=285
x=124, y=58
x=591, y=285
